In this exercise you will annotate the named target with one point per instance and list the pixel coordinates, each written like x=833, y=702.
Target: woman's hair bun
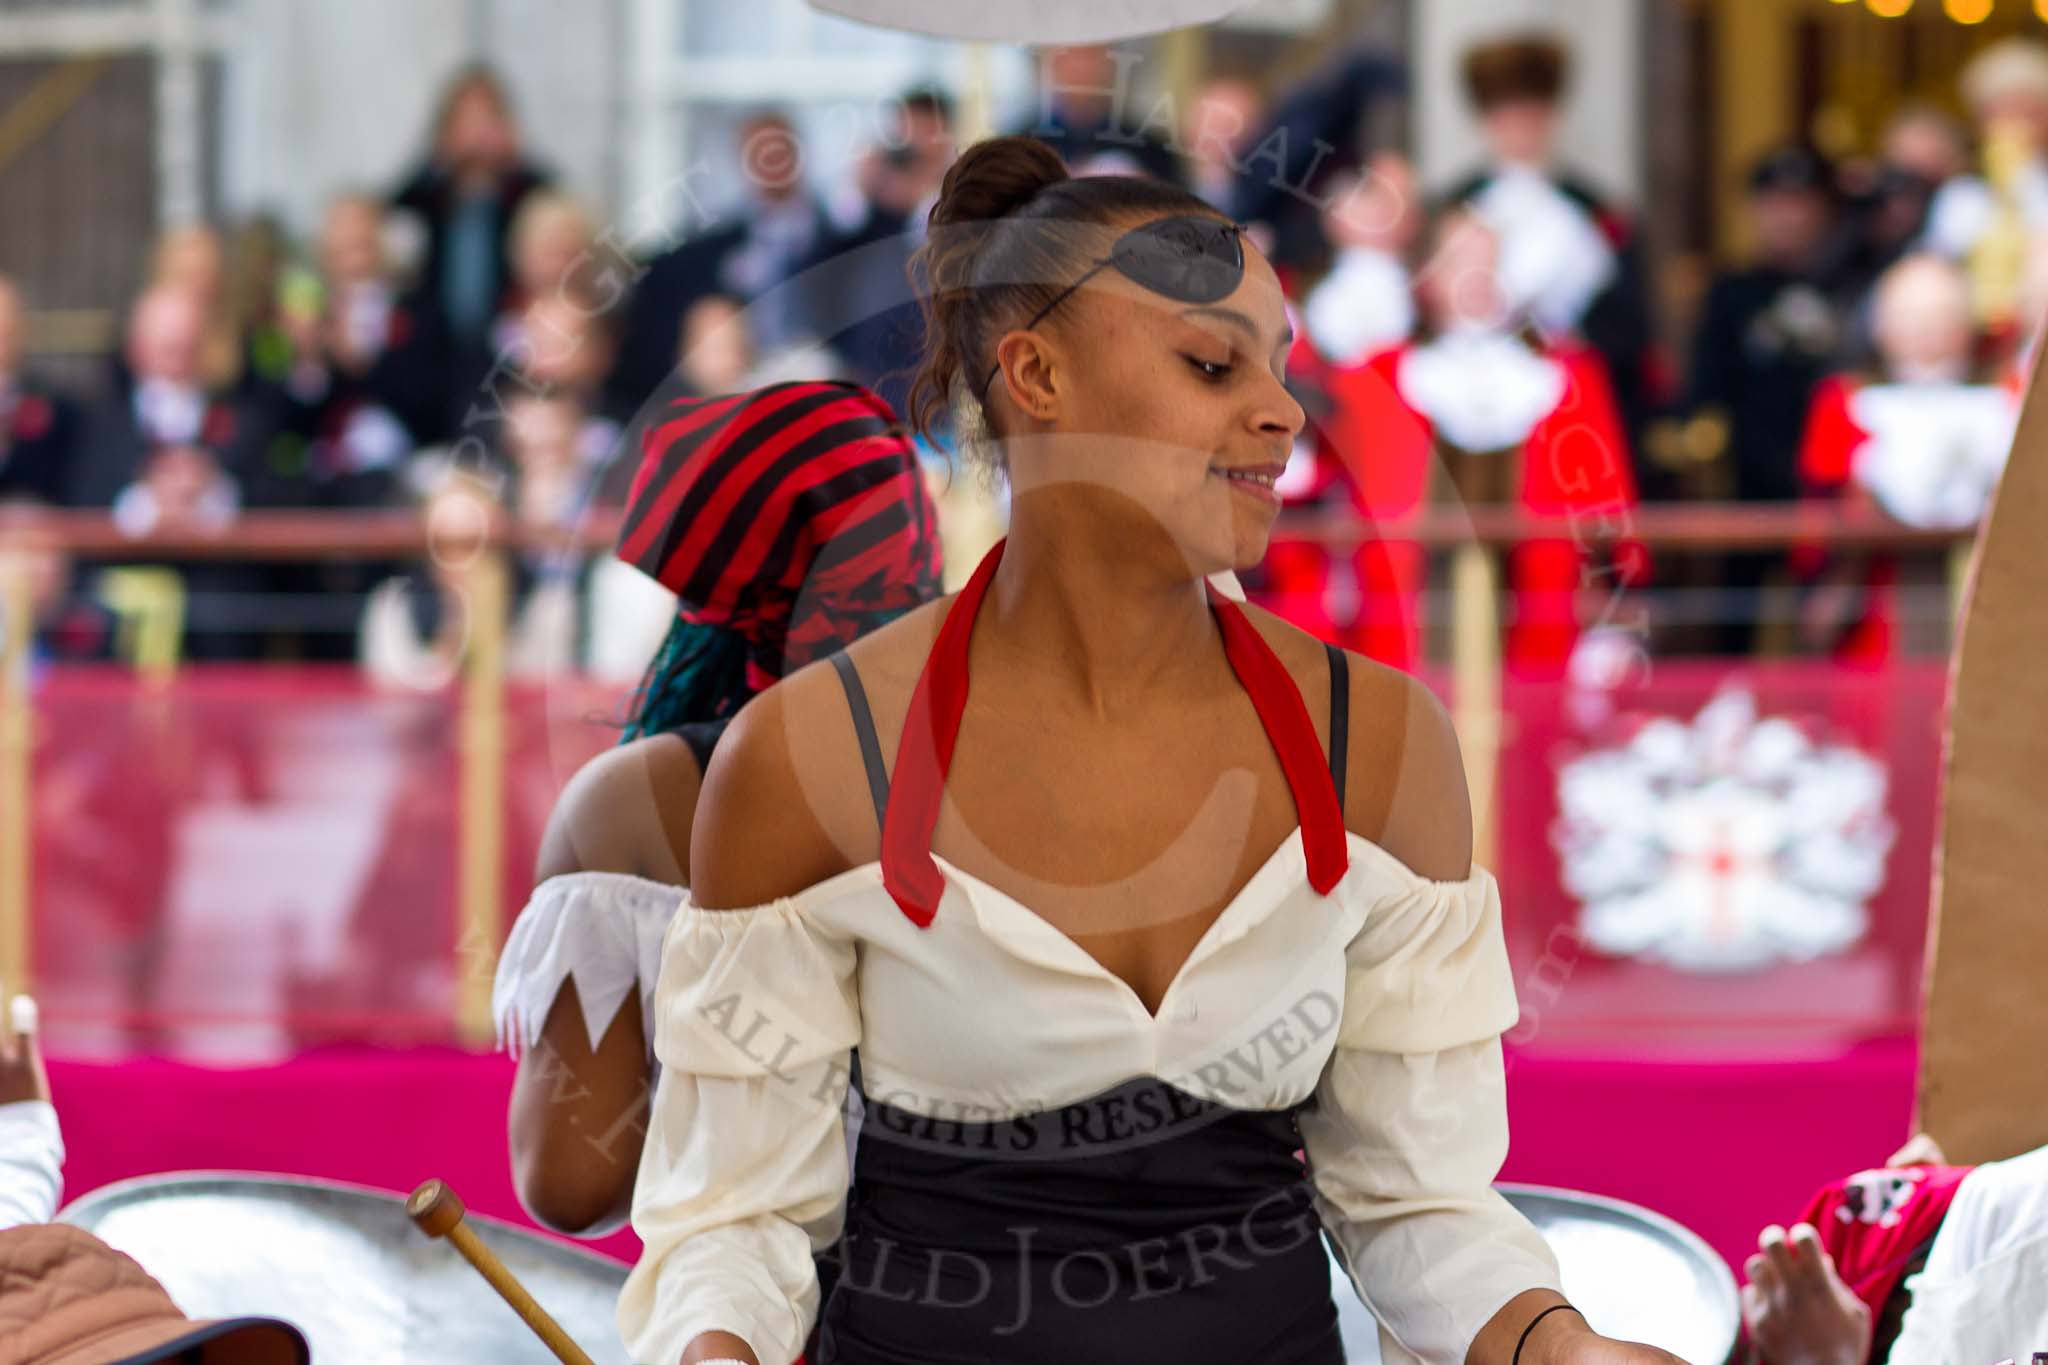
x=996, y=177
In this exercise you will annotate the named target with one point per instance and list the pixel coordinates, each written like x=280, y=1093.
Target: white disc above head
x=1040, y=22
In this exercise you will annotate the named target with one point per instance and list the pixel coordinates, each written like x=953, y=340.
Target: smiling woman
x=1156, y=894
x=1035, y=274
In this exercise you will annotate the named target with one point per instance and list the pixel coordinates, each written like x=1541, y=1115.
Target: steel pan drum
x=349, y=1268
x=1635, y=1274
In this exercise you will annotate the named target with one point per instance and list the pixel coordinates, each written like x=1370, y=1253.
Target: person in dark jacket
x=1300, y=160
x=371, y=377
x=164, y=452
x=1090, y=114
x=869, y=314
x=369, y=363
x=37, y=426
x=1769, y=331
x=782, y=232
x=465, y=195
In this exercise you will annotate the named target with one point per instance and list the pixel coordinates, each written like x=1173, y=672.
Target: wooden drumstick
x=439, y=1214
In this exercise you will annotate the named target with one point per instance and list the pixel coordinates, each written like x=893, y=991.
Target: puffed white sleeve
x=604, y=930
x=744, y=1169
x=1409, y=1125
x=31, y=1162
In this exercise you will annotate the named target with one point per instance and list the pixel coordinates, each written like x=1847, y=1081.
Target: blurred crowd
x=477, y=344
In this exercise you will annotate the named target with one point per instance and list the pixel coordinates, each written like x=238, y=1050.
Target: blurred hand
x=1920, y=1150
x=178, y=479
x=1826, y=611
x=1796, y=1307
x=43, y=563
x=460, y=517
x=21, y=1059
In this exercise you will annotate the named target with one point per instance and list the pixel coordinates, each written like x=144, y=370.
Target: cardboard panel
x=1984, y=1047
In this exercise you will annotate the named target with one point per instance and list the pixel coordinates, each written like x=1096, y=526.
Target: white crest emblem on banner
x=1726, y=845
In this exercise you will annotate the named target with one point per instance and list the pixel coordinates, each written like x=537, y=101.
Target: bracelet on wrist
x=1554, y=1308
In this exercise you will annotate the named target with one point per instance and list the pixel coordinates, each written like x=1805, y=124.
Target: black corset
x=1142, y=1224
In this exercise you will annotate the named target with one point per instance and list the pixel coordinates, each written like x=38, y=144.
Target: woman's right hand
x=719, y=1346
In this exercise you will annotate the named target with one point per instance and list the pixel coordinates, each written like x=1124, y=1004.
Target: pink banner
x=1715, y=857
x=255, y=860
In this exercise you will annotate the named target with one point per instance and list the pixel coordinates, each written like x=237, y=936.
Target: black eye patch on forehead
x=1191, y=258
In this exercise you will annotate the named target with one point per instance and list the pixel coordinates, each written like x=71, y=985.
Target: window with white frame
x=702, y=67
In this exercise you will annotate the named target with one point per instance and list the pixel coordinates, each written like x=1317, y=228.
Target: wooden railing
x=1473, y=536
x=1697, y=527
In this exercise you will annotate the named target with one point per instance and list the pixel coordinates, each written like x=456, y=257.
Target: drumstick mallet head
x=438, y=1212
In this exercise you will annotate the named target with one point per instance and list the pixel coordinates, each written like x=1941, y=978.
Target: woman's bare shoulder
x=786, y=802
x=627, y=809
x=1404, y=771
x=1428, y=817
x=896, y=654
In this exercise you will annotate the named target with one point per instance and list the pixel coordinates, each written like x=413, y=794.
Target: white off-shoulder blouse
x=1382, y=1001
x=604, y=931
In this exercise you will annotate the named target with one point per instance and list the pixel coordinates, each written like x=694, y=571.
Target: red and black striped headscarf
x=795, y=516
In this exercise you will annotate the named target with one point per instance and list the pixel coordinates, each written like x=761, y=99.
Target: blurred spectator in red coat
x=1571, y=261
x=1366, y=301
x=1472, y=412
x=1923, y=439
x=1362, y=305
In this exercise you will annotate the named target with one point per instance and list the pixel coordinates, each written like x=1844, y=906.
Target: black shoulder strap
x=702, y=736
x=864, y=726
x=1340, y=717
